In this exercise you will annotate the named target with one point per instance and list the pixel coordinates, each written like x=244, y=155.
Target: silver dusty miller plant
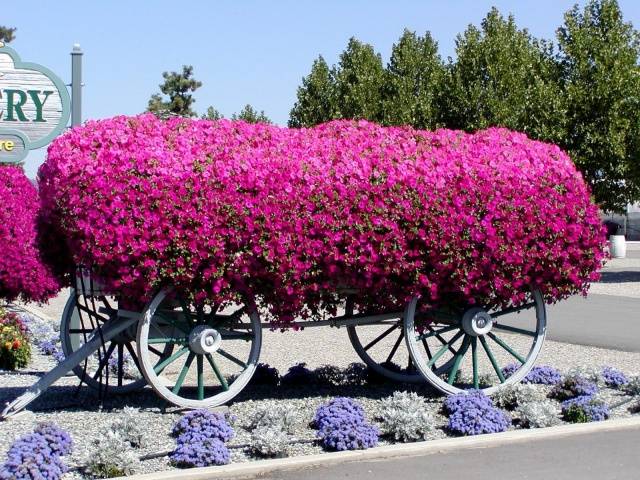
x=269, y=441
x=404, y=416
x=633, y=387
x=128, y=425
x=111, y=456
x=539, y=414
x=518, y=394
x=274, y=416
x=589, y=372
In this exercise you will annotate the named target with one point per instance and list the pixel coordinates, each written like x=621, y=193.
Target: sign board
x=34, y=106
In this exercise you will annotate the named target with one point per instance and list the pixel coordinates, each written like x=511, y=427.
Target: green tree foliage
x=503, y=76
x=212, y=114
x=7, y=34
x=359, y=81
x=414, y=82
x=599, y=57
x=251, y=115
x=177, y=88
x=316, y=97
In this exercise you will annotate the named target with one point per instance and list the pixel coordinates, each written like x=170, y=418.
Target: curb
x=263, y=467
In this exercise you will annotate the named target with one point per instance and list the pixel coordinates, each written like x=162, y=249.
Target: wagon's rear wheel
x=216, y=349
x=382, y=348
x=493, y=348
x=115, y=366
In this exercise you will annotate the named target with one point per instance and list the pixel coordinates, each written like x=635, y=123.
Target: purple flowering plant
x=342, y=425
x=584, y=408
x=573, y=386
x=473, y=413
x=613, y=377
x=203, y=423
x=205, y=452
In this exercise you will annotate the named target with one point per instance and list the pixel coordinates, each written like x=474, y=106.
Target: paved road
x=599, y=456
x=600, y=320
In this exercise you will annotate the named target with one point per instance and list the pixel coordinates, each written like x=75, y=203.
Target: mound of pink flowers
x=293, y=216
x=23, y=275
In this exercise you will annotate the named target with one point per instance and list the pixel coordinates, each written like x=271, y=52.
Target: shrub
x=573, y=386
x=110, y=456
x=404, y=417
x=15, y=351
x=204, y=423
x=473, y=413
x=356, y=374
x=632, y=387
x=273, y=416
x=538, y=414
x=589, y=372
x=329, y=375
x=289, y=214
x=584, y=409
x=539, y=374
x=269, y=441
x=203, y=453
x=512, y=396
x=59, y=440
x=23, y=274
x=298, y=375
x=128, y=425
x=614, y=378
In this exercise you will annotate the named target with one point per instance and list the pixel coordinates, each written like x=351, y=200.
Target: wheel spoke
x=120, y=363
x=474, y=361
x=458, y=359
x=91, y=313
x=395, y=347
x=175, y=323
x=502, y=343
x=162, y=365
x=380, y=337
x=200, y=378
x=104, y=360
x=509, y=328
x=80, y=330
x=133, y=355
x=176, y=340
x=155, y=350
x=233, y=335
x=492, y=359
x=183, y=373
x=518, y=308
x=444, y=348
x=221, y=378
x=436, y=333
x=230, y=357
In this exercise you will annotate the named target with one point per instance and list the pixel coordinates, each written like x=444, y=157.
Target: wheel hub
x=204, y=339
x=476, y=321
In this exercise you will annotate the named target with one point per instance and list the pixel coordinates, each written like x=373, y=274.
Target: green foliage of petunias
x=599, y=58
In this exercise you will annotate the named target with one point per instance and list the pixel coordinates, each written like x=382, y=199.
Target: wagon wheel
x=380, y=346
x=487, y=341
x=115, y=366
x=217, y=349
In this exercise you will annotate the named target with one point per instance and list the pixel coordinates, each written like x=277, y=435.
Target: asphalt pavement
x=609, y=455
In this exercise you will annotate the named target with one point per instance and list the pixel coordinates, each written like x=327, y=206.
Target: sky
x=243, y=51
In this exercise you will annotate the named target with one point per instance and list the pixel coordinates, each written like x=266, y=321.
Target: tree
x=599, y=54
x=212, y=114
x=251, y=115
x=503, y=76
x=178, y=87
x=7, y=34
x=315, y=97
x=359, y=82
x=413, y=83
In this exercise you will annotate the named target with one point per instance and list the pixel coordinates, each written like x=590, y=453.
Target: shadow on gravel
x=620, y=277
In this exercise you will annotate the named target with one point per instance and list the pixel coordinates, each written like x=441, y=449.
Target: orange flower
x=16, y=344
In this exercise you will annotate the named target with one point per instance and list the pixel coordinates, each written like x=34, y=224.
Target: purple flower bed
x=540, y=374
x=203, y=424
x=342, y=425
x=584, y=409
x=202, y=453
x=614, y=378
x=572, y=387
x=37, y=455
x=473, y=413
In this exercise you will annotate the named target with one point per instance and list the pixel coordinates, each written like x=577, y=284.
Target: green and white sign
x=34, y=106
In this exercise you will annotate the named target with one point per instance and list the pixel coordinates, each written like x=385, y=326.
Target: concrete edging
x=262, y=467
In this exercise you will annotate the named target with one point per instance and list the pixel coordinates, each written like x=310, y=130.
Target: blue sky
x=244, y=51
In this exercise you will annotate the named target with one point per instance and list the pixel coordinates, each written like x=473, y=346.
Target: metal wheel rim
x=434, y=378
x=158, y=385
x=70, y=344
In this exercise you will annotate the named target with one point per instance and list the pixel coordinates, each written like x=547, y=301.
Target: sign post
x=34, y=106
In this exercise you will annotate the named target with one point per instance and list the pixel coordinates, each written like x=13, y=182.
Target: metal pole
x=76, y=85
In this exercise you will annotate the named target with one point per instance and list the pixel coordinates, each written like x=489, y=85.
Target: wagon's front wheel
x=485, y=349
x=216, y=350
